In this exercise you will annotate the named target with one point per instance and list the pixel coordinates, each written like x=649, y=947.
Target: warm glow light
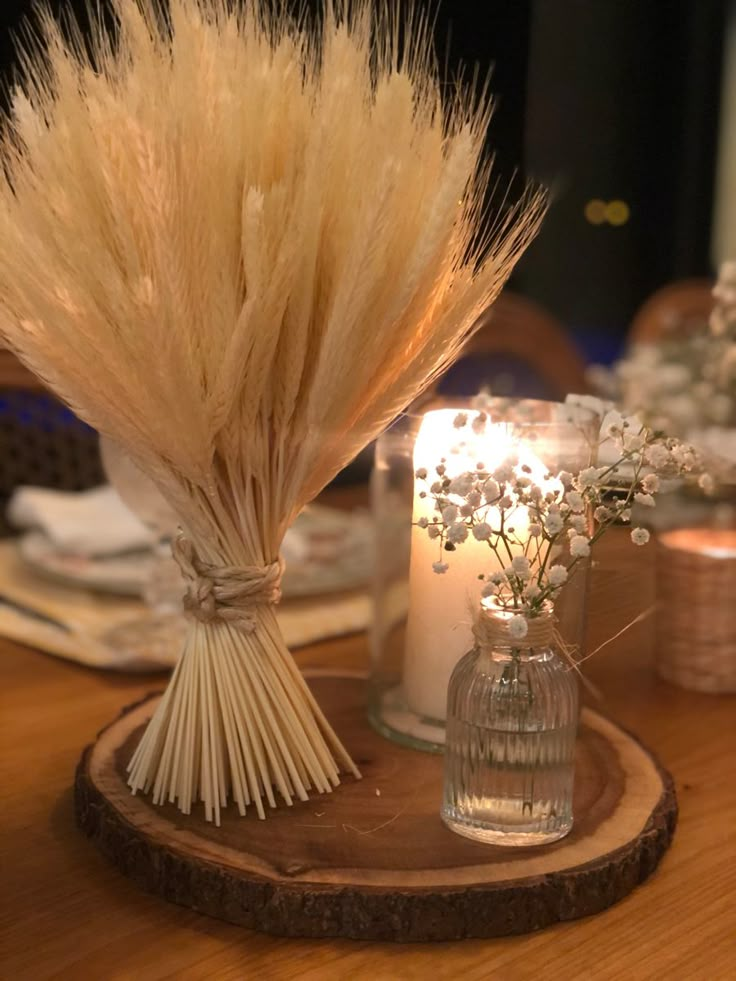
x=440, y=610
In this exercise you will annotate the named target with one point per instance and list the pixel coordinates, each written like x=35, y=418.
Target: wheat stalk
x=238, y=244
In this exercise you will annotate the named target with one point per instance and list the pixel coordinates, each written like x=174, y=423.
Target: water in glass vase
x=510, y=745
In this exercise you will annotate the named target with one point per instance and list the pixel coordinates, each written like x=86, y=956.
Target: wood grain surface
x=373, y=861
x=68, y=914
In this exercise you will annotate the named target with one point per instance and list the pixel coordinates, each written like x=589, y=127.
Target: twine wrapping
x=696, y=620
x=491, y=629
x=226, y=593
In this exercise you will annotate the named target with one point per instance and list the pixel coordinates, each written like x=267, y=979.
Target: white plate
x=122, y=575
x=330, y=551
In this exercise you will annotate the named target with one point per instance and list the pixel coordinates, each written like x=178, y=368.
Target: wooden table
x=68, y=914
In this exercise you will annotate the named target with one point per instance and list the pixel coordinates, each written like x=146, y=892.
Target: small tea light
x=696, y=616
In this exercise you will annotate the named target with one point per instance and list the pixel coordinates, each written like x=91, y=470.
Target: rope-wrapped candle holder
x=696, y=616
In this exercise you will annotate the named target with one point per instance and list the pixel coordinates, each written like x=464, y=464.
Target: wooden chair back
x=517, y=331
x=673, y=311
x=14, y=375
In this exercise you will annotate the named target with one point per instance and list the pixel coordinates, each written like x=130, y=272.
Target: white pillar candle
x=441, y=605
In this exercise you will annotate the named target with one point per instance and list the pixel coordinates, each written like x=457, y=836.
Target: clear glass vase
x=512, y=717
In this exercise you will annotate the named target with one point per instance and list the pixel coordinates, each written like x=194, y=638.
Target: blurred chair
x=42, y=443
x=519, y=350
x=673, y=311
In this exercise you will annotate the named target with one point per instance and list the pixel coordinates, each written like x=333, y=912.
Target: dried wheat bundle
x=239, y=244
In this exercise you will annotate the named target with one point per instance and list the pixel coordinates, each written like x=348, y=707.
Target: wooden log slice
x=373, y=859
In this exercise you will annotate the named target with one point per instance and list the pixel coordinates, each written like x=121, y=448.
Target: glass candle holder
x=512, y=717
x=422, y=622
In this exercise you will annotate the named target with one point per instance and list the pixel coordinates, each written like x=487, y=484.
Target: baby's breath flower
x=706, y=483
x=646, y=500
x=588, y=477
x=520, y=565
x=460, y=504
x=461, y=485
x=557, y=576
x=518, y=627
x=579, y=547
x=491, y=490
x=614, y=425
x=440, y=568
x=457, y=532
x=650, y=483
x=634, y=442
x=460, y=420
x=657, y=455
x=683, y=455
x=504, y=472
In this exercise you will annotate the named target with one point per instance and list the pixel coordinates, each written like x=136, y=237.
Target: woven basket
x=696, y=608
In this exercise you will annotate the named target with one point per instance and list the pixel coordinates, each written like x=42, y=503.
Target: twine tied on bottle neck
x=225, y=593
x=491, y=629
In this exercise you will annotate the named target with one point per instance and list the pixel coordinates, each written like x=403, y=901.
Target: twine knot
x=226, y=593
x=492, y=628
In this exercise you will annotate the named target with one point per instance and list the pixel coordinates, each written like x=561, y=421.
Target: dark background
x=597, y=99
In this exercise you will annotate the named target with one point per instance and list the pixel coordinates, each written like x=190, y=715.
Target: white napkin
x=93, y=522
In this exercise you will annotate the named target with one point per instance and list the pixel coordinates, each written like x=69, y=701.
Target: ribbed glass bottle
x=512, y=717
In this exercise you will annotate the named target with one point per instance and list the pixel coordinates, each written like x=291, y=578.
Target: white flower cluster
x=559, y=516
x=686, y=384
